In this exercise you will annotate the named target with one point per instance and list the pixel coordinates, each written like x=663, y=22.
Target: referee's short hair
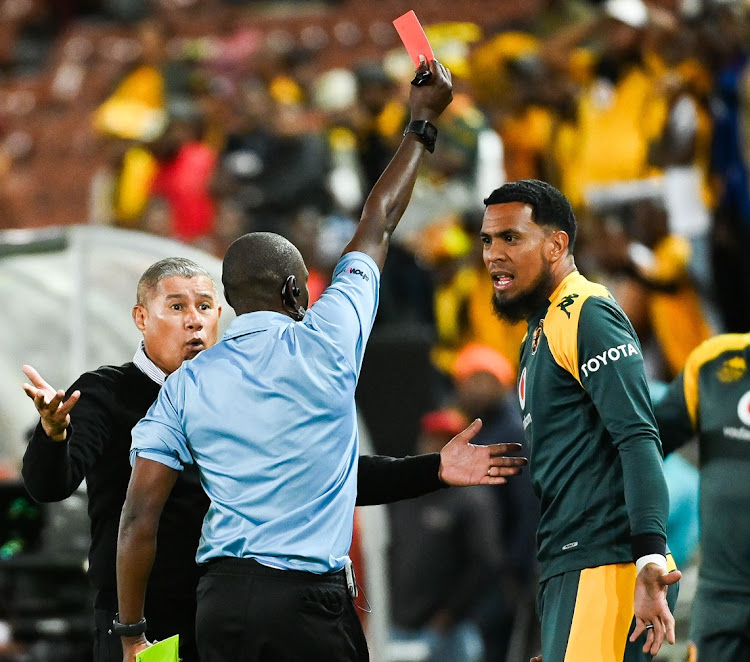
x=255, y=268
x=170, y=266
x=549, y=206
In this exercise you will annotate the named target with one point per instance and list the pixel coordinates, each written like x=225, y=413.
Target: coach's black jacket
x=113, y=400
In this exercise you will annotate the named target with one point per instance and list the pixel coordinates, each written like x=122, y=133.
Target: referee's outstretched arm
x=389, y=197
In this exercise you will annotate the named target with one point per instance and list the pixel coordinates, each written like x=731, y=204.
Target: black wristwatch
x=128, y=629
x=425, y=131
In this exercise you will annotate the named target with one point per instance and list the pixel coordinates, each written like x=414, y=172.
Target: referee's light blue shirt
x=268, y=416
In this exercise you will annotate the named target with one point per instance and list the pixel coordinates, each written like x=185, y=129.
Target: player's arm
x=672, y=416
x=150, y=484
x=619, y=390
x=389, y=197
x=459, y=463
x=613, y=374
x=73, y=433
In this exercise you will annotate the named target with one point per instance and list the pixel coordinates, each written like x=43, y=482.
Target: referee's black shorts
x=248, y=612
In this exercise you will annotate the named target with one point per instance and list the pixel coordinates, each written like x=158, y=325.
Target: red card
x=413, y=36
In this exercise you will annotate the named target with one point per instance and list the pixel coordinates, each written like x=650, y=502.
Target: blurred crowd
x=639, y=112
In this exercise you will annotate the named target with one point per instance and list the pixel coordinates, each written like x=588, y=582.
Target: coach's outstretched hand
x=49, y=403
x=462, y=463
x=651, y=609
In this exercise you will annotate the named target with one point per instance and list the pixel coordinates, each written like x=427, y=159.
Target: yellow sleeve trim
x=705, y=352
x=561, y=322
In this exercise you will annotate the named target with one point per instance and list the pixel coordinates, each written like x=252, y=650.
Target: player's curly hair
x=549, y=206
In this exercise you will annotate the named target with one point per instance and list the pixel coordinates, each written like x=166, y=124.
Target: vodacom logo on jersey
x=522, y=389
x=743, y=409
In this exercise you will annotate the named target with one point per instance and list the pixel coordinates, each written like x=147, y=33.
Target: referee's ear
x=226, y=296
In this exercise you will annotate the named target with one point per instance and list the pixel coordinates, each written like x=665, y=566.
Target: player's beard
x=523, y=305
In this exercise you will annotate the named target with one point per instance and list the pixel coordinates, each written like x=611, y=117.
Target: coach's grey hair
x=170, y=266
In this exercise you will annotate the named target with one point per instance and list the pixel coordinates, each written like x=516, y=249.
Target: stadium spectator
x=185, y=166
x=274, y=166
x=137, y=108
x=445, y=557
x=729, y=162
x=660, y=288
x=620, y=105
x=377, y=119
x=683, y=148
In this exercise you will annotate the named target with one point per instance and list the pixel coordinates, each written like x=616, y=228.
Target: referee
x=268, y=416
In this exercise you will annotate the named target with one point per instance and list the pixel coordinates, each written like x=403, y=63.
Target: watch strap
x=128, y=629
x=426, y=132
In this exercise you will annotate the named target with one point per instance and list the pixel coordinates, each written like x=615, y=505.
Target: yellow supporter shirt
x=677, y=318
x=526, y=138
x=464, y=315
x=136, y=108
x=134, y=185
x=615, y=126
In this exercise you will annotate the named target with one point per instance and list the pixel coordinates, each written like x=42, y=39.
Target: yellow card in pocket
x=163, y=651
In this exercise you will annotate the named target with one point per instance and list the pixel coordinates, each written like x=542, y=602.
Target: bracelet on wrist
x=425, y=132
x=128, y=629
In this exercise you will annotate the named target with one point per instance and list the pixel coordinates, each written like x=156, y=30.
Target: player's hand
x=651, y=608
x=427, y=101
x=49, y=403
x=131, y=646
x=463, y=463
x=538, y=658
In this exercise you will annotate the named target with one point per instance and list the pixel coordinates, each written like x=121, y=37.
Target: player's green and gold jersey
x=595, y=457
x=711, y=397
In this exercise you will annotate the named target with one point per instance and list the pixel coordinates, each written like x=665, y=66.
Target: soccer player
x=710, y=398
x=595, y=455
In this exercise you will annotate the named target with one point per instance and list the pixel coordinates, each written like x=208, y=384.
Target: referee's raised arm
x=389, y=197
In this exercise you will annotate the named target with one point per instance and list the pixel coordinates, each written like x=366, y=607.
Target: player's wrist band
x=128, y=629
x=643, y=544
x=425, y=131
x=658, y=559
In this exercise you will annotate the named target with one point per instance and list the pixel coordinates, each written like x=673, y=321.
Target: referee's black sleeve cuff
x=647, y=543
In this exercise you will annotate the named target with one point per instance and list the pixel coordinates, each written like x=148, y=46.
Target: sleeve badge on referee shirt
x=537, y=337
